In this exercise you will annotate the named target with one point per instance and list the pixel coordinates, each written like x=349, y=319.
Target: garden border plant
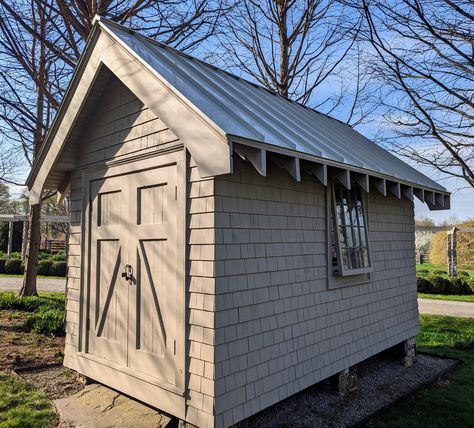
x=46, y=311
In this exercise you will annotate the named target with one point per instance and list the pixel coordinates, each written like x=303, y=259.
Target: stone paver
x=446, y=307
x=97, y=406
x=43, y=284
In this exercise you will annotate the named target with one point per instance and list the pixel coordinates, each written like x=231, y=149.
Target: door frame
x=90, y=365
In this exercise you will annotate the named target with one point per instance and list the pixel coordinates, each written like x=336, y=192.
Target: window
x=350, y=247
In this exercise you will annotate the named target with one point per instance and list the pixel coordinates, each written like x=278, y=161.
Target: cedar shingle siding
x=279, y=329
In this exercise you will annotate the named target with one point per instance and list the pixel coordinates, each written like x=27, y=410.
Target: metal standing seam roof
x=251, y=112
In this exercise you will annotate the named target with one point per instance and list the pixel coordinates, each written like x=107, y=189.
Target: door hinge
x=175, y=193
x=174, y=346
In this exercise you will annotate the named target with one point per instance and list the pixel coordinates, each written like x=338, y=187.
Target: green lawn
x=22, y=405
x=449, y=403
x=431, y=267
x=459, y=298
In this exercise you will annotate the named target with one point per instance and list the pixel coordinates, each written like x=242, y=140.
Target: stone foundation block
x=408, y=352
x=345, y=381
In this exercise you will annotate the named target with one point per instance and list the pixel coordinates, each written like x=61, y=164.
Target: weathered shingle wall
x=279, y=328
x=200, y=331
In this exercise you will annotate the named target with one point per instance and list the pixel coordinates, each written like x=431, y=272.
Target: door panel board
x=140, y=212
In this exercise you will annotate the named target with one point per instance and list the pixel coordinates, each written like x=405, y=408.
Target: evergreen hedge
x=440, y=284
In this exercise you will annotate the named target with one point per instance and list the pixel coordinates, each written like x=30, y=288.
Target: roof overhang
x=295, y=163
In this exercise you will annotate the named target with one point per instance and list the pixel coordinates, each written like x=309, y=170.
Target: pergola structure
x=13, y=218
x=452, y=250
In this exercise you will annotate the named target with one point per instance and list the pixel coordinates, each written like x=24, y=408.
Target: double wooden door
x=133, y=314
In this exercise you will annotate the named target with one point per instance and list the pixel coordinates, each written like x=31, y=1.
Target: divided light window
x=350, y=246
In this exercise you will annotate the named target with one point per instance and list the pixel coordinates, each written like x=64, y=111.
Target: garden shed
x=228, y=247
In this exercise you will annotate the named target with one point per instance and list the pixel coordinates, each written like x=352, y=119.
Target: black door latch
x=128, y=272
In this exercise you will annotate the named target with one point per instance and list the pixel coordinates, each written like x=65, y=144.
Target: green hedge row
x=442, y=284
x=45, y=267
x=59, y=256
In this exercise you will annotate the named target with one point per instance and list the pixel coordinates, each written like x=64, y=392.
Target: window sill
x=355, y=272
x=349, y=280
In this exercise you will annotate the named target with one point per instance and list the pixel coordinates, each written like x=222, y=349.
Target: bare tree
x=40, y=43
x=425, y=62
x=27, y=99
x=292, y=47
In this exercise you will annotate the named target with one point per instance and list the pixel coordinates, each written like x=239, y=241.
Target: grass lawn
x=431, y=267
x=458, y=298
x=450, y=403
x=29, y=330
x=22, y=405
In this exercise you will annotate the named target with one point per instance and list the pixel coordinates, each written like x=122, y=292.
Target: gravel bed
x=380, y=383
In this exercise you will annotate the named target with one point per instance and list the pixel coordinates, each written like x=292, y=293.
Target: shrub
x=423, y=271
x=48, y=321
x=463, y=273
x=42, y=255
x=58, y=257
x=9, y=300
x=58, y=269
x=2, y=265
x=470, y=284
x=439, y=284
x=13, y=267
x=459, y=286
x=440, y=272
x=44, y=267
x=423, y=285
x=15, y=255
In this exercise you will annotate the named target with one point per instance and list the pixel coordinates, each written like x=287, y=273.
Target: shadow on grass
x=450, y=402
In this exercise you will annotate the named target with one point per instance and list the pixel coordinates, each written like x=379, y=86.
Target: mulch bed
x=19, y=348
x=56, y=381
x=36, y=358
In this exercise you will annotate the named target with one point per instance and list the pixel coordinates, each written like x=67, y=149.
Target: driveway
x=43, y=284
x=446, y=307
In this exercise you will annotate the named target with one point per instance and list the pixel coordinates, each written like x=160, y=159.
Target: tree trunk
x=31, y=261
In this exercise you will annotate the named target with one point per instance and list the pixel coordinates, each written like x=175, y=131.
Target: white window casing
x=350, y=250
